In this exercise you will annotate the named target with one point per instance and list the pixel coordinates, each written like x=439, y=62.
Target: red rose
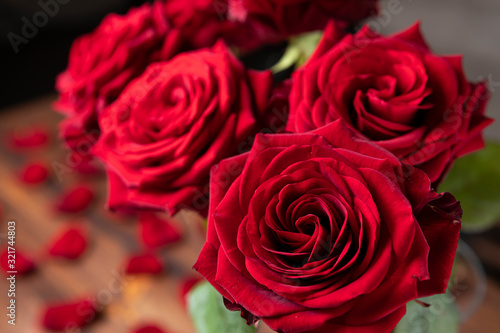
x=103, y=62
x=162, y=136
x=275, y=19
x=394, y=91
x=202, y=22
x=326, y=232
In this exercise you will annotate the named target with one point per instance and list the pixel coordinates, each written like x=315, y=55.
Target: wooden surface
x=140, y=299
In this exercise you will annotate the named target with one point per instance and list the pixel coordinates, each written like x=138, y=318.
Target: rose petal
x=34, y=173
x=70, y=244
x=156, y=232
x=75, y=199
x=149, y=329
x=143, y=264
x=186, y=286
x=22, y=265
x=60, y=317
x=85, y=165
x=28, y=137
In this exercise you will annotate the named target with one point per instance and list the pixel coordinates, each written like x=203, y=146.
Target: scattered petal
x=155, y=231
x=22, y=265
x=144, y=264
x=28, y=137
x=34, y=173
x=149, y=329
x=186, y=286
x=75, y=200
x=60, y=317
x=70, y=244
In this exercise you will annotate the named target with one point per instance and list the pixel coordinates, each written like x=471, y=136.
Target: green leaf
x=441, y=316
x=209, y=314
x=299, y=49
x=475, y=181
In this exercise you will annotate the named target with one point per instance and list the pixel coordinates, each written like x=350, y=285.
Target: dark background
x=31, y=71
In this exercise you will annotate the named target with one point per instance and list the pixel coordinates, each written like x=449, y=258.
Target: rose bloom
x=326, y=232
x=104, y=61
x=394, y=91
x=202, y=22
x=162, y=136
x=275, y=19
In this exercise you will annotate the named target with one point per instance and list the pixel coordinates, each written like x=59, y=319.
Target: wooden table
x=98, y=273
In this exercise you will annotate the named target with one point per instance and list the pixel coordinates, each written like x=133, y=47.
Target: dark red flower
x=273, y=20
x=85, y=164
x=326, y=232
x=162, y=136
x=201, y=22
x=396, y=92
x=69, y=316
x=104, y=61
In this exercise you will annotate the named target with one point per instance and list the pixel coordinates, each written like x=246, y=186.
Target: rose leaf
x=440, y=316
x=299, y=49
x=209, y=314
x=475, y=181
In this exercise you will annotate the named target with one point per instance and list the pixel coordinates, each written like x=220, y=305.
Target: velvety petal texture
x=104, y=61
x=162, y=136
x=326, y=231
x=201, y=22
x=394, y=91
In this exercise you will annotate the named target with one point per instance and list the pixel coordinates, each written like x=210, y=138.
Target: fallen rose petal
x=155, y=231
x=143, y=264
x=186, y=286
x=149, y=329
x=22, y=265
x=34, y=173
x=75, y=200
x=69, y=244
x=59, y=317
x=28, y=137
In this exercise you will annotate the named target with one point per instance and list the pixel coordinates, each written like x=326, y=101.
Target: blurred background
x=27, y=76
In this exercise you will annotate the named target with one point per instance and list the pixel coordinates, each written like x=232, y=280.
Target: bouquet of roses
x=318, y=173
